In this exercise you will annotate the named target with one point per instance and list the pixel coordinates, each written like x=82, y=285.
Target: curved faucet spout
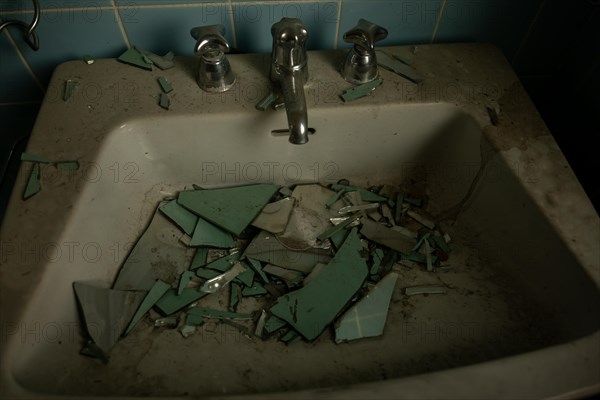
x=292, y=87
x=289, y=69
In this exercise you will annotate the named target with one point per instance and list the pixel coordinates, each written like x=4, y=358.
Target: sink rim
x=562, y=223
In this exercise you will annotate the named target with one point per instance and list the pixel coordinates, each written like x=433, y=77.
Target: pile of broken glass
x=316, y=256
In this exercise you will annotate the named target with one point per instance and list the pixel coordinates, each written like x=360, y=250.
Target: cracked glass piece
x=274, y=216
x=270, y=249
x=155, y=293
x=367, y=317
x=133, y=56
x=158, y=254
x=183, y=218
x=385, y=236
x=310, y=309
x=33, y=183
x=170, y=302
x=164, y=84
x=207, y=234
x=218, y=282
x=232, y=209
x=219, y=314
x=106, y=312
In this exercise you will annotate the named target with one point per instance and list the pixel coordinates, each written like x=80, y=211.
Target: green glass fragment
x=164, y=62
x=211, y=313
x=338, y=238
x=67, y=165
x=246, y=277
x=255, y=265
x=431, y=289
x=273, y=323
x=184, y=280
x=34, y=157
x=266, y=101
x=359, y=91
x=439, y=243
x=194, y=320
x=33, y=184
x=164, y=84
x=310, y=309
x=255, y=290
x=377, y=258
x=290, y=337
x=232, y=209
x=225, y=263
x=335, y=229
x=365, y=194
x=397, y=66
x=199, y=259
x=367, y=317
x=170, y=302
x=183, y=218
x=164, y=101
x=132, y=56
x=335, y=197
x=234, y=296
x=157, y=291
x=207, y=234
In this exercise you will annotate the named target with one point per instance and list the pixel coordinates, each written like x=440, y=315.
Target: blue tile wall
x=69, y=29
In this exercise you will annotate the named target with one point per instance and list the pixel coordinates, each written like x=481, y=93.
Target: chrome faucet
x=361, y=63
x=214, y=72
x=289, y=70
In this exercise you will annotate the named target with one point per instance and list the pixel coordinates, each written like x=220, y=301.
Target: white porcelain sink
x=521, y=318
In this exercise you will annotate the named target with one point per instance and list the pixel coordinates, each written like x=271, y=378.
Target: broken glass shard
x=310, y=309
x=255, y=264
x=207, y=234
x=232, y=209
x=133, y=56
x=255, y=290
x=218, y=282
x=184, y=279
x=211, y=313
x=33, y=184
x=106, y=312
x=290, y=277
x=156, y=292
x=274, y=217
x=430, y=289
x=380, y=234
x=367, y=317
x=268, y=248
x=158, y=254
x=170, y=302
x=183, y=218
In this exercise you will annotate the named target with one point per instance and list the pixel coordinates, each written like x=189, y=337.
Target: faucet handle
x=289, y=31
x=210, y=38
x=364, y=35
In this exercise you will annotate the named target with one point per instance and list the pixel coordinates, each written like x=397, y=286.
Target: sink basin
x=520, y=319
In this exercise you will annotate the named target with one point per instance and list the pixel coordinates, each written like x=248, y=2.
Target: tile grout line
x=142, y=6
x=528, y=33
x=120, y=24
x=438, y=21
x=232, y=23
x=24, y=61
x=339, y=23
